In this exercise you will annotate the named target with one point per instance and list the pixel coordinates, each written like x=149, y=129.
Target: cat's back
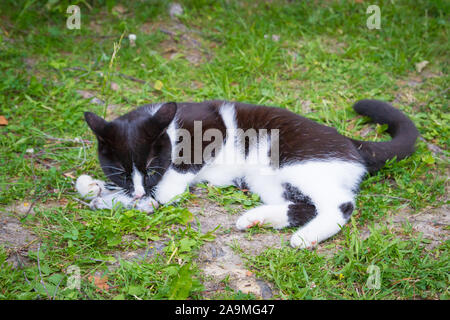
x=300, y=138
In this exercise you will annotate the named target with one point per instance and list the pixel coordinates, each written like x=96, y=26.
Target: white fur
x=228, y=114
x=273, y=215
x=153, y=108
x=171, y=132
x=172, y=184
x=138, y=183
x=89, y=188
x=111, y=200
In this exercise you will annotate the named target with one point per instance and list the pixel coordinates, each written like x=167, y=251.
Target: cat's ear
x=96, y=123
x=165, y=114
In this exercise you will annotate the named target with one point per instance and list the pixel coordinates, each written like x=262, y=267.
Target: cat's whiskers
x=115, y=168
x=114, y=174
x=155, y=167
x=113, y=188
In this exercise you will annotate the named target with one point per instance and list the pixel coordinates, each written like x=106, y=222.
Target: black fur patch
x=346, y=209
x=300, y=213
x=240, y=183
x=302, y=210
x=293, y=194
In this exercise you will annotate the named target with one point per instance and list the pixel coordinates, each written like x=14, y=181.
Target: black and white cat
x=306, y=174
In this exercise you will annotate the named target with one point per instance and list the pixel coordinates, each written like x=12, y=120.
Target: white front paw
x=89, y=188
x=302, y=241
x=99, y=203
x=147, y=205
x=249, y=220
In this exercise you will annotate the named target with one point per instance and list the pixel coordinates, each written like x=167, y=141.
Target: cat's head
x=134, y=150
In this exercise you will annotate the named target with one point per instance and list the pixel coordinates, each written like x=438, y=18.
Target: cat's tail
x=400, y=127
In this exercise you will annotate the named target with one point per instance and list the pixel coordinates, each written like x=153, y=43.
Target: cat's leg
x=321, y=216
x=172, y=184
x=285, y=205
x=146, y=204
x=269, y=188
x=273, y=212
x=329, y=206
x=274, y=216
x=110, y=200
x=329, y=220
x=88, y=187
x=328, y=185
x=278, y=216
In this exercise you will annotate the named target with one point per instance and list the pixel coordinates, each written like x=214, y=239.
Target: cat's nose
x=138, y=195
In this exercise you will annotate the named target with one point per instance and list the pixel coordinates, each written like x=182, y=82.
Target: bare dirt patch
x=16, y=239
x=182, y=41
x=411, y=84
x=432, y=223
x=333, y=45
x=112, y=110
x=222, y=265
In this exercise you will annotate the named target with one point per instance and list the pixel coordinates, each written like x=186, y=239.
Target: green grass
x=407, y=270
x=324, y=61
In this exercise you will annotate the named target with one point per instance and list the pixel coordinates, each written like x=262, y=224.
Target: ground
x=314, y=58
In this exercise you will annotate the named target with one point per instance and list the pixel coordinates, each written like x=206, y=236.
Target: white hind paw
x=302, y=241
